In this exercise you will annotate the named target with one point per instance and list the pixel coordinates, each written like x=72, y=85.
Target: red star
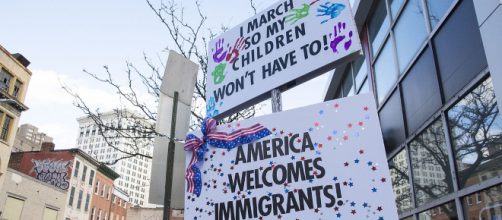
x=232, y=167
x=286, y=184
x=302, y=158
x=353, y=211
x=261, y=168
x=290, y=134
x=360, y=123
x=374, y=168
x=273, y=129
x=282, y=132
x=349, y=125
x=316, y=210
x=345, y=183
x=279, y=216
x=316, y=124
x=299, y=140
x=346, y=164
x=261, y=218
x=361, y=151
x=337, y=105
x=315, y=173
x=345, y=137
x=330, y=138
x=223, y=153
x=238, y=124
x=383, y=180
x=336, y=208
x=379, y=208
x=365, y=108
x=320, y=145
x=229, y=125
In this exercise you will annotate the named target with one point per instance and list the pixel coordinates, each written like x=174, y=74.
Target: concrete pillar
x=489, y=14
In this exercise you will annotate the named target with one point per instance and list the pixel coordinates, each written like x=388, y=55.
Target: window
x=399, y=174
x=5, y=78
x=429, y=148
x=460, y=57
x=77, y=166
x=79, y=201
x=385, y=71
x=92, y=213
x=87, y=199
x=446, y=211
x=96, y=189
x=84, y=172
x=13, y=208
x=103, y=191
x=50, y=214
x=108, y=193
x=378, y=26
x=91, y=177
x=410, y=33
x=391, y=119
x=421, y=103
x=395, y=5
x=5, y=126
x=476, y=130
x=17, y=88
x=72, y=194
x=489, y=205
x=99, y=214
x=437, y=10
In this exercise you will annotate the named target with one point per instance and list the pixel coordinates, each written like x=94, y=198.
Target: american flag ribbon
x=199, y=146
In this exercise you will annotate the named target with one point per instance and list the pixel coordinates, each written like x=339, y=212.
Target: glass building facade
x=425, y=63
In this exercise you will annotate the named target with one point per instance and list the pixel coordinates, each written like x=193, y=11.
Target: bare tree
x=188, y=39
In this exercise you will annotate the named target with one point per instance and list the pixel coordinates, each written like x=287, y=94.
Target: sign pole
x=170, y=162
x=276, y=100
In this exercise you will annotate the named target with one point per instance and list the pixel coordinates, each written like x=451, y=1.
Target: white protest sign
x=290, y=39
x=325, y=161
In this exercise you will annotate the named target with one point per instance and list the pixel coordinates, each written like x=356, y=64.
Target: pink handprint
x=219, y=55
x=234, y=51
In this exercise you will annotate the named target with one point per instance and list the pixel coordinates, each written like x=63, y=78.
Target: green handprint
x=298, y=13
x=219, y=73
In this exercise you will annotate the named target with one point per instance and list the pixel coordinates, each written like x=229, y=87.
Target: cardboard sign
x=325, y=161
x=290, y=39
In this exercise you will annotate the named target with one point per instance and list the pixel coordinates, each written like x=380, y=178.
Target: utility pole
x=170, y=161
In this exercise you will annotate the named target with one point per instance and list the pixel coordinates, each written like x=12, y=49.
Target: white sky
x=61, y=38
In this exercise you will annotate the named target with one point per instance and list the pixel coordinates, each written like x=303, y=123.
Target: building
x=28, y=138
x=134, y=171
x=14, y=80
x=434, y=69
x=70, y=170
x=102, y=197
x=152, y=213
x=24, y=197
x=120, y=205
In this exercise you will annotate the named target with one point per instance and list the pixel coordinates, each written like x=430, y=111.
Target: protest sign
x=289, y=40
x=325, y=161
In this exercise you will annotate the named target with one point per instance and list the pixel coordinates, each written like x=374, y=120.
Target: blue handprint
x=211, y=110
x=332, y=10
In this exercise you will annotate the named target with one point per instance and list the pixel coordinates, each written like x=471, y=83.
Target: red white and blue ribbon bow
x=216, y=139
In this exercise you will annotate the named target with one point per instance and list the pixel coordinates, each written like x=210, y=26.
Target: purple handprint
x=234, y=51
x=339, y=37
x=219, y=55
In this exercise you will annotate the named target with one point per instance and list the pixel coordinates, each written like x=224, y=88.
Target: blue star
x=321, y=112
x=311, y=180
x=269, y=194
x=235, y=197
x=271, y=162
x=293, y=157
x=374, y=189
x=249, y=192
x=311, y=129
x=338, y=215
x=351, y=184
x=286, y=190
x=356, y=161
x=335, y=178
x=370, y=163
x=365, y=205
x=335, y=132
x=381, y=218
x=352, y=204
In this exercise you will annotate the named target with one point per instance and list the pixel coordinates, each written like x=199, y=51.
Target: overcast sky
x=61, y=38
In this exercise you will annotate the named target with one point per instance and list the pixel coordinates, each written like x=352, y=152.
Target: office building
x=28, y=138
x=134, y=171
x=14, y=80
x=434, y=67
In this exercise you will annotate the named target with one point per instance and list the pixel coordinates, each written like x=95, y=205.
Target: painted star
x=374, y=189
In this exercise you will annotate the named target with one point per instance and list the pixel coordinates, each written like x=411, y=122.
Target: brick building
x=102, y=195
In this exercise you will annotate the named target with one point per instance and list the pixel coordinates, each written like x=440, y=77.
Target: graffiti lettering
x=53, y=172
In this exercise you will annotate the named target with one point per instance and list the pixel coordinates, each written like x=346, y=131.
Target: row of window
x=9, y=83
x=84, y=173
x=71, y=201
x=6, y=122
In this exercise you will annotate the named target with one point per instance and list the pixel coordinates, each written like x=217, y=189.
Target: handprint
x=219, y=55
x=332, y=10
x=219, y=73
x=233, y=52
x=339, y=37
x=297, y=14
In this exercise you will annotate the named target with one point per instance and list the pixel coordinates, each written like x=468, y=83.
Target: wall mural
x=51, y=171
